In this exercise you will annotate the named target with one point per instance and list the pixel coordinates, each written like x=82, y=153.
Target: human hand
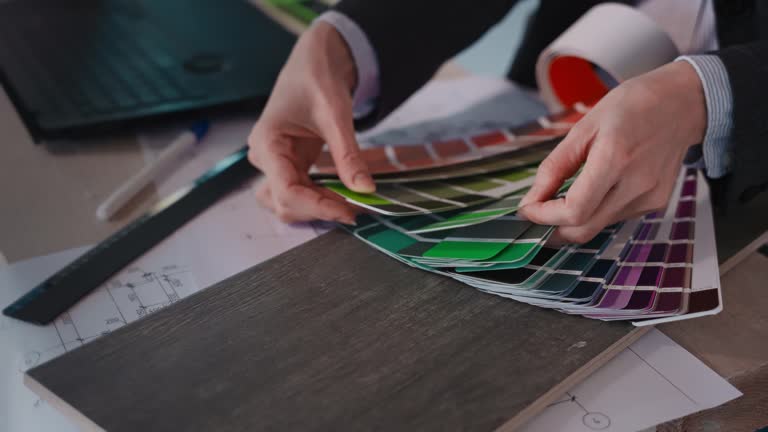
x=632, y=144
x=310, y=105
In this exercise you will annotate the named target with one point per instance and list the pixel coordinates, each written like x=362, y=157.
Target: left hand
x=632, y=144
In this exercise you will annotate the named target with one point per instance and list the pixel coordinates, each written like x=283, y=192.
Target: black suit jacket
x=412, y=38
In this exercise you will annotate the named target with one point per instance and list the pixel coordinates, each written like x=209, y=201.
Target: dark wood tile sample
x=332, y=335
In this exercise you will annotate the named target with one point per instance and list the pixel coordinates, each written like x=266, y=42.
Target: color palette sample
x=404, y=199
x=449, y=207
x=657, y=268
x=485, y=213
x=394, y=160
x=508, y=240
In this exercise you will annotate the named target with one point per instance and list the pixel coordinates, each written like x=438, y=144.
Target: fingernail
x=363, y=182
x=555, y=242
x=521, y=213
x=526, y=199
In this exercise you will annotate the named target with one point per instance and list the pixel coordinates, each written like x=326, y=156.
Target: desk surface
x=50, y=197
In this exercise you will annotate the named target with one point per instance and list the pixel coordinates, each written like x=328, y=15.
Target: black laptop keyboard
x=79, y=72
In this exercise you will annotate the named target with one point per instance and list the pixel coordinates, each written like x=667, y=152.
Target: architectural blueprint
x=138, y=291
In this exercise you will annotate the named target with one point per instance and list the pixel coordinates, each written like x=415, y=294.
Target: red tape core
x=574, y=80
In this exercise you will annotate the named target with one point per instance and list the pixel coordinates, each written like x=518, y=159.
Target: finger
x=294, y=197
x=619, y=204
x=583, y=234
x=338, y=130
x=556, y=240
x=315, y=204
x=627, y=200
x=333, y=195
x=264, y=195
x=561, y=164
x=352, y=208
x=254, y=141
x=600, y=174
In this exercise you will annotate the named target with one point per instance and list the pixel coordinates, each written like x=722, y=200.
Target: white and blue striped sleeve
x=717, y=146
x=367, y=90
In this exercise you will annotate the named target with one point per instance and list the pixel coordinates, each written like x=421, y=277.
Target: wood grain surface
x=748, y=413
x=332, y=335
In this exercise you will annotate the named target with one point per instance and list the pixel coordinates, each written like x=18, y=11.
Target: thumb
x=336, y=127
x=560, y=165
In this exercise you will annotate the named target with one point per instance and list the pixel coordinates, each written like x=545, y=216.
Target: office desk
x=50, y=197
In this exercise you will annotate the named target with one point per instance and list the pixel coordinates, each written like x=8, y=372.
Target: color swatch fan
x=428, y=160
x=459, y=220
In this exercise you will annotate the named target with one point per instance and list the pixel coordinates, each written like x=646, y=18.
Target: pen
x=130, y=188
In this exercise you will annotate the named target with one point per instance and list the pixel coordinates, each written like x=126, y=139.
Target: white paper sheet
x=653, y=381
x=457, y=107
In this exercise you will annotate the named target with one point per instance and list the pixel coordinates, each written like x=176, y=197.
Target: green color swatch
x=370, y=199
x=465, y=250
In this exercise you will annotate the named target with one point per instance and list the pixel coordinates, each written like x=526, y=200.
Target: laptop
x=78, y=67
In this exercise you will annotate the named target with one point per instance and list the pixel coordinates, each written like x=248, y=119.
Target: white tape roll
x=617, y=38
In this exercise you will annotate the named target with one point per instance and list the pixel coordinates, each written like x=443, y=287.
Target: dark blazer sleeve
x=747, y=67
x=412, y=38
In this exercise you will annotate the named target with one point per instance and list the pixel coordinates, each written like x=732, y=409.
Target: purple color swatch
x=641, y=300
x=621, y=276
x=680, y=253
x=686, y=209
x=689, y=188
x=655, y=215
x=669, y=302
x=615, y=299
x=644, y=231
x=675, y=277
x=658, y=252
x=650, y=277
x=608, y=299
x=636, y=253
x=682, y=231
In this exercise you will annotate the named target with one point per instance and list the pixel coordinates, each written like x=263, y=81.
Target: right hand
x=310, y=105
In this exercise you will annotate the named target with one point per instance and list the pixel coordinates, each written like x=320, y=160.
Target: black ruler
x=62, y=290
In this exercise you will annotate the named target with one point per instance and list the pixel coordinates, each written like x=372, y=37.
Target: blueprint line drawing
x=126, y=298
x=593, y=420
x=136, y=292
x=652, y=381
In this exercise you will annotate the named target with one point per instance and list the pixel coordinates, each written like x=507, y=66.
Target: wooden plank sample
x=332, y=335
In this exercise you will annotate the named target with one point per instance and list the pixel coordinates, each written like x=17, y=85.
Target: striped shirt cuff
x=367, y=90
x=717, y=146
